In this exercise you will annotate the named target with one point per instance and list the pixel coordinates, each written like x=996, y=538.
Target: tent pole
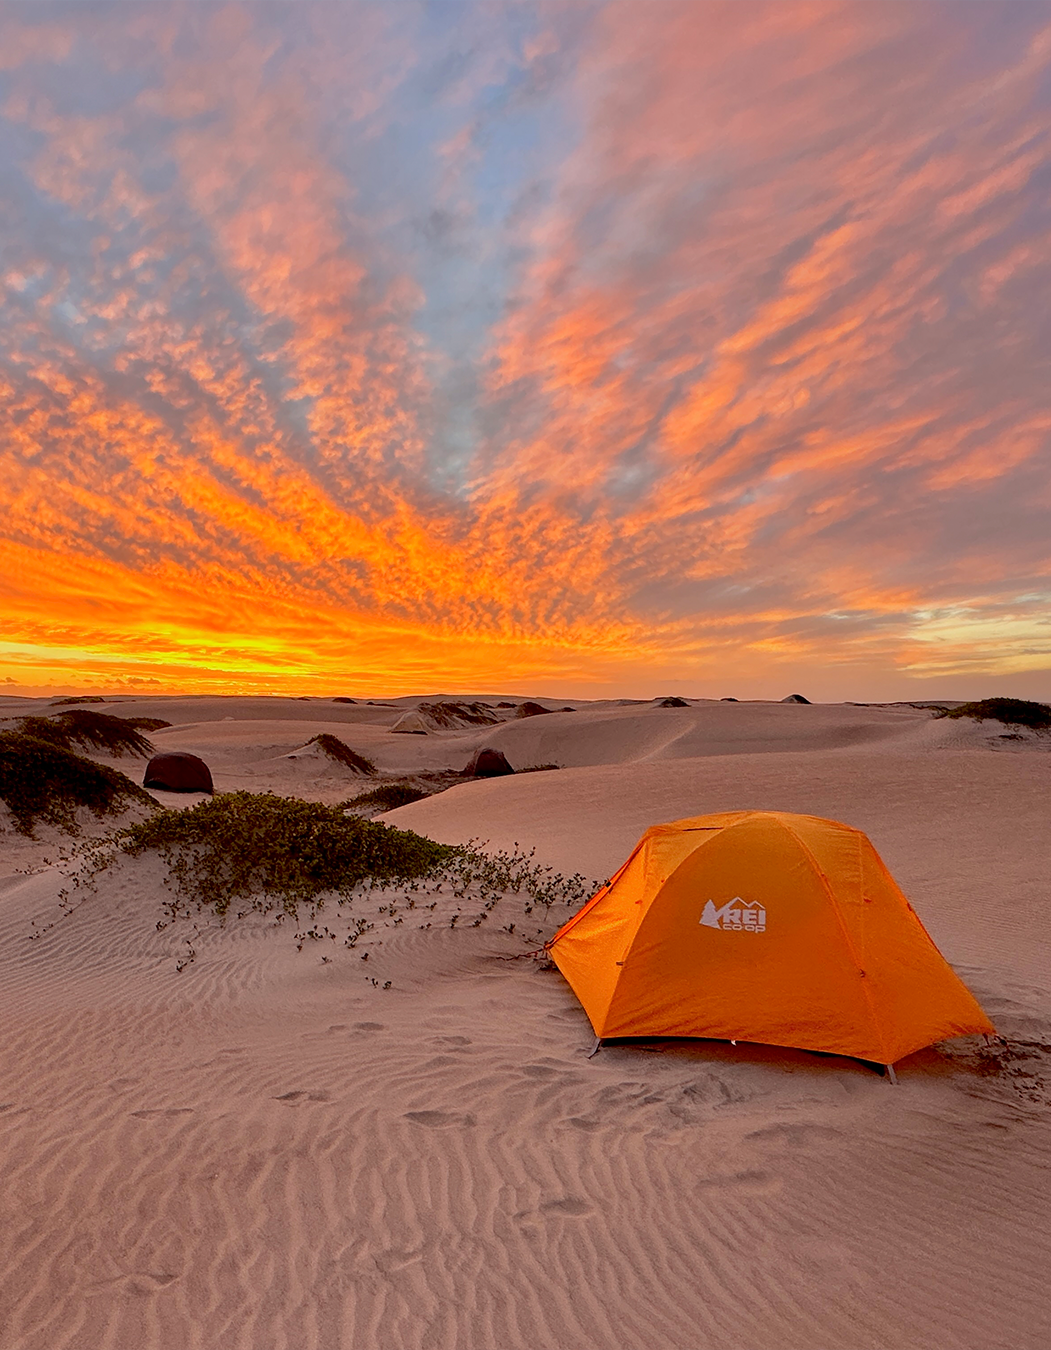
x=891, y=1074
x=596, y=1047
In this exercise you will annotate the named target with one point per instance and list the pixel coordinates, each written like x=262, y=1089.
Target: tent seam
x=876, y=1023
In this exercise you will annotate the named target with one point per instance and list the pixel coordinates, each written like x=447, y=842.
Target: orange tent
x=762, y=926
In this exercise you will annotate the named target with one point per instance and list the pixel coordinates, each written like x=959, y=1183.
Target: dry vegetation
x=1017, y=712
x=343, y=754
x=90, y=730
x=42, y=781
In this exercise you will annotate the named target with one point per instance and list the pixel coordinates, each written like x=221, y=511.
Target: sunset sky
x=587, y=348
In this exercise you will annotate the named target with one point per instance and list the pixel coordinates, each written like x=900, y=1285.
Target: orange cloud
x=750, y=370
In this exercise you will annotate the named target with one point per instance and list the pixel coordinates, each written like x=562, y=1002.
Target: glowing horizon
x=412, y=346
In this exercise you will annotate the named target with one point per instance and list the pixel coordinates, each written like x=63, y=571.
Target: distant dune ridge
x=401, y=1142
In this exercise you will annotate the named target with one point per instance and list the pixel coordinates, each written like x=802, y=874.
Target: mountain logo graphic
x=736, y=916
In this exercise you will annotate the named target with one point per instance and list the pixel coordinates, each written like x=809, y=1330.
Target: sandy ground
x=272, y=1150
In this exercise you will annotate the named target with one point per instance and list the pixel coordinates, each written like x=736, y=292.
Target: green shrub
x=40, y=780
x=242, y=852
x=343, y=754
x=538, y=768
x=1011, y=711
x=390, y=796
x=91, y=730
x=244, y=846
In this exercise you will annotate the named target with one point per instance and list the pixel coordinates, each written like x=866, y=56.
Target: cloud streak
x=374, y=344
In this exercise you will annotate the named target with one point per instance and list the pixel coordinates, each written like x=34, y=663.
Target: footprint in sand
x=451, y=1040
x=538, y=1070
x=369, y=1026
x=742, y=1183
x=569, y=1205
x=145, y=1282
x=796, y=1136
x=293, y=1098
x=438, y=1120
x=163, y=1111
x=583, y=1123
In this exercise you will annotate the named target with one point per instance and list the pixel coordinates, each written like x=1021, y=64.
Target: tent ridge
x=877, y=1025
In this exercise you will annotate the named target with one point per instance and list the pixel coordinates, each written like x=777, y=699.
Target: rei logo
x=736, y=916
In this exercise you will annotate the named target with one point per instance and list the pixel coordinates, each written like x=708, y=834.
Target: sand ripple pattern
x=271, y=1152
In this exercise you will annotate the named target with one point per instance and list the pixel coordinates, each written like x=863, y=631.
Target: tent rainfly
x=767, y=927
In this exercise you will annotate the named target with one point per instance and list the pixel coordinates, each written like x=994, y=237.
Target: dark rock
x=341, y=699
x=488, y=764
x=177, y=771
x=728, y=700
x=795, y=698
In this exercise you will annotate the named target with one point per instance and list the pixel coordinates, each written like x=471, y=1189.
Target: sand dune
x=271, y=1150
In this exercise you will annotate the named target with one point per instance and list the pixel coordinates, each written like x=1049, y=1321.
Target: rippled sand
x=271, y=1150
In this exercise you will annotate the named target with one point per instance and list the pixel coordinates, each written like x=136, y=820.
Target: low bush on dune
x=90, y=730
x=452, y=715
x=146, y=723
x=243, y=852
x=42, y=781
x=343, y=754
x=1018, y=712
x=244, y=846
x=390, y=796
x=539, y=768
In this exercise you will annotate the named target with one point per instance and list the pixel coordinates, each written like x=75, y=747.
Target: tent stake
x=891, y=1074
x=596, y=1047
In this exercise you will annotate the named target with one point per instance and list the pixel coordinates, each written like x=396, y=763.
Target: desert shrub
x=539, y=768
x=242, y=852
x=146, y=723
x=275, y=851
x=453, y=715
x=83, y=698
x=1011, y=711
x=492, y=875
x=390, y=796
x=40, y=780
x=343, y=754
x=88, y=729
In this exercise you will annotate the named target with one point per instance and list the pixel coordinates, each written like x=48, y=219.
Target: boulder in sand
x=795, y=698
x=178, y=771
x=488, y=764
x=530, y=710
